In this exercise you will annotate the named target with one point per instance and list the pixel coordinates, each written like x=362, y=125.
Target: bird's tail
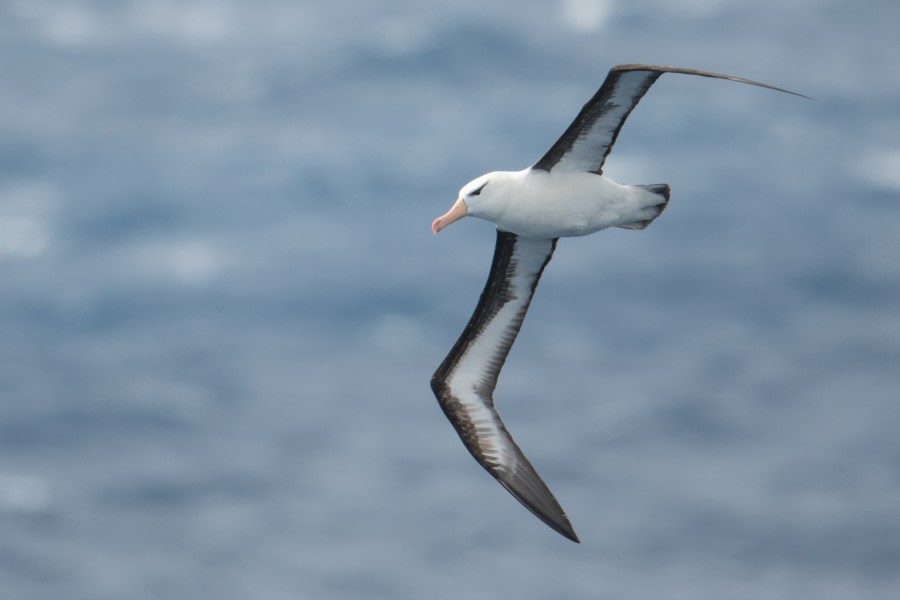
x=659, y=200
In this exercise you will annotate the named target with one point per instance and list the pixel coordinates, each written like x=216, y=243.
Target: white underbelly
x=549, y=205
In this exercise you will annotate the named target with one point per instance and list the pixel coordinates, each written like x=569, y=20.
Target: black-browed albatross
x=563, y=194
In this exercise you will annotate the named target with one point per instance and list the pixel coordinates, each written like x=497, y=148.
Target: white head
x=478, y=198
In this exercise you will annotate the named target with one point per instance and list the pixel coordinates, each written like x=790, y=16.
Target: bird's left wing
x=465, y=381
x=586, y=143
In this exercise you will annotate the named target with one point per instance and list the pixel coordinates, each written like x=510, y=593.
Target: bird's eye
x=478, y=191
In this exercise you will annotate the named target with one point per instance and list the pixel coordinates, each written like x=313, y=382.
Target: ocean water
x=221, y=304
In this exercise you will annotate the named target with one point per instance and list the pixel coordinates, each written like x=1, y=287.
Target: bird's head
x=477, y=199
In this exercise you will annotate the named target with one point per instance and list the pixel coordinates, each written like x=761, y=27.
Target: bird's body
x=563, y=194
x=583, y=203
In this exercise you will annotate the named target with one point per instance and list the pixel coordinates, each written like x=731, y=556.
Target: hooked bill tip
x=456, y=212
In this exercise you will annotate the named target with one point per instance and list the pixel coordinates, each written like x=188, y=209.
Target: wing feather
x=587, y=142
x=465, y=381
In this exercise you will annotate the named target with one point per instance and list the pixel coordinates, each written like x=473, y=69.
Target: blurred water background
x=221, y=304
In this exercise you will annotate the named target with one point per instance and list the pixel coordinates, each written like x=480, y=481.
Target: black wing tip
x=557, y=521
x=567, y=532
x=534, y=495
x=687, y=71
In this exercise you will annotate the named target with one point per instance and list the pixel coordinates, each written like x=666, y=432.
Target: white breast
x=541, y=204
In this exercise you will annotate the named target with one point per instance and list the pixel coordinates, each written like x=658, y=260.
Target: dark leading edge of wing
x=587, y=142
x=465, y=381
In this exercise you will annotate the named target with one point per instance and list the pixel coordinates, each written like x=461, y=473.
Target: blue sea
x=221, y=302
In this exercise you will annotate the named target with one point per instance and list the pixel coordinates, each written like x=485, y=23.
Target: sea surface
x=221, y=302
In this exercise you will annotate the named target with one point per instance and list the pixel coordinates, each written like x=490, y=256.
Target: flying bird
x=564, y=194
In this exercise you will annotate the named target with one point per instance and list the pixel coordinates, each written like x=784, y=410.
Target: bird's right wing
x=465, y=381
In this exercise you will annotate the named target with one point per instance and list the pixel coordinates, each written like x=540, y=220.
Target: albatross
x=564, y=194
